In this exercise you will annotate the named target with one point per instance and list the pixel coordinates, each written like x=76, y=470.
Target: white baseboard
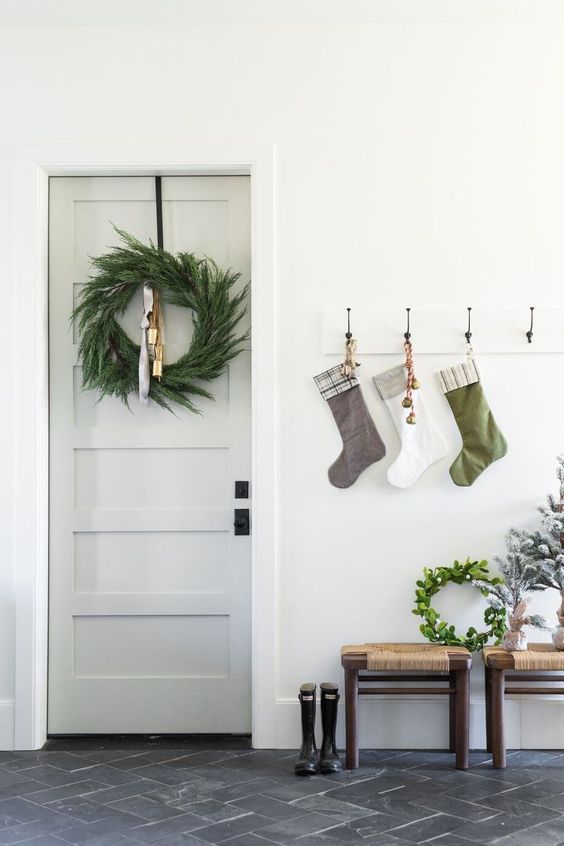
x=402, y=723
x=6, y=725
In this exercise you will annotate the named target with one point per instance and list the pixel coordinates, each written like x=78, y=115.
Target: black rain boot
x=329, y=760
x=307, y=759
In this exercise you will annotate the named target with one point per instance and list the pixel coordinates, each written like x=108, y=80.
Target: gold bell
x=152, y=333
x=415, y=384
x=407, y=402
x=411, y=419
x=157, y=368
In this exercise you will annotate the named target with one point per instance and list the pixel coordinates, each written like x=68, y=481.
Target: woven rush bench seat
x=408, y=662
x=501, y=667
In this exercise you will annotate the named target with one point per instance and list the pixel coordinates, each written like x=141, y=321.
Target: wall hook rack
x=529, y=334
x=468, y=333
x=407, y=334
x=501, y=330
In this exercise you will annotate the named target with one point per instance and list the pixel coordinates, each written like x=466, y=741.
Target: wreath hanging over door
x=114, y=365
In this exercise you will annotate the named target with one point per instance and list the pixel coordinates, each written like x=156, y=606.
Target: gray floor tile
x=477, y=789
x=221, y=831
x=110, y=794
x=248, y=839
x=402, y=810
x=44, y=795
x=266, y=806
x=287, y=831
x=298, y=788
x=537, y=792
x=43, y=840
x=328, y=839
x=457, y=807
x=508, y=804
x=155, y=831
x=428, y=829
x=489, y=831
x=335, y=808
x=80, y=808
x=163, y=774
x=214, y=811
x=144, y=807
x=25, y=831
x=20, y=789
x=91, y=831
x=246, y=788
x=106, y=774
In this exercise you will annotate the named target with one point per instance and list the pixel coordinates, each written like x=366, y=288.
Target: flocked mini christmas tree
x=521, y=577
x=545, y=549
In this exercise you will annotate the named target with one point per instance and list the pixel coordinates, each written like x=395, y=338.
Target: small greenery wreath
x=110, y=359
x=437, y=630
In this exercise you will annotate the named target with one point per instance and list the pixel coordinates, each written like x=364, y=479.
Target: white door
x=150, y=591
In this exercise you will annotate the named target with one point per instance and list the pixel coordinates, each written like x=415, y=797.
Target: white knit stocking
x=421, y=443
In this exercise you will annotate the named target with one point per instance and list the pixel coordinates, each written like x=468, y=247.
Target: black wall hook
x=529, y=334
x=468, y=333
x=348, y=333
x=407, y=334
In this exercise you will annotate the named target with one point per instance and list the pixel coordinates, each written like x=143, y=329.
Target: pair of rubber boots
x=329, y=761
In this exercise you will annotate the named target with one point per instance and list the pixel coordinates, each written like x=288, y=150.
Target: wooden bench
x=397, y=663
x=541, y=662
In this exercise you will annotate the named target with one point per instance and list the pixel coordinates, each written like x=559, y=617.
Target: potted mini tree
x=546, y=549
x=521, y=577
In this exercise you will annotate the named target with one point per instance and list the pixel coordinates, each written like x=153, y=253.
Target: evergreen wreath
x=437, y=630
x=110, y=359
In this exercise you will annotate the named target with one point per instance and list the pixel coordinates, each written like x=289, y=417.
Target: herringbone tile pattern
x=179, y=794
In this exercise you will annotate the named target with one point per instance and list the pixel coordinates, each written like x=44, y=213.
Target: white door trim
x=31, y=183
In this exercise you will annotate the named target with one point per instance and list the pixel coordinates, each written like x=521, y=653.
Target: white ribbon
x=144, y=363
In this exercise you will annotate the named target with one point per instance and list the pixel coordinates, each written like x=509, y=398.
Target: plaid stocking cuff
x=459, y=376
x=391, y=382
x=332, y=382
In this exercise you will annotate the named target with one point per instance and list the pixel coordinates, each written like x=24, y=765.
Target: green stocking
x=482, y=441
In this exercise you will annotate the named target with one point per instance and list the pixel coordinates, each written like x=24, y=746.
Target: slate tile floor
x=188, y=793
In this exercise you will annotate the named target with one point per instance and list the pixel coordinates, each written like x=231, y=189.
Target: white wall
x=418, y=163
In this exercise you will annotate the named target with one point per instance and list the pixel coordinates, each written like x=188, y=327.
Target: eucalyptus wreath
x=438, y=630
x=110, y=359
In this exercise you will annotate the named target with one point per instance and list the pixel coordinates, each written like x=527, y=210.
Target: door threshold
x=195, y=742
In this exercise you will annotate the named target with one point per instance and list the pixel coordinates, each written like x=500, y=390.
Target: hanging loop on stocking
x=412, y=383
x=350, y=364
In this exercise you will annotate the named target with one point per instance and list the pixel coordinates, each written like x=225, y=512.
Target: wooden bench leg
x=462, y=718
x=351, y=718
x=487, y=686
x=452, y=713
x=497, y=683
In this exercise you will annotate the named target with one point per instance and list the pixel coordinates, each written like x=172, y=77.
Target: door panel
x=150, y=591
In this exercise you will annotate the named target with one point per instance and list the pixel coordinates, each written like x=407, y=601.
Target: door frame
x=34, y=166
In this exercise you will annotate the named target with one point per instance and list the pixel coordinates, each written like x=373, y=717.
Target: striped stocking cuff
x=391, y=382
x=332, y=382
x=459, y=376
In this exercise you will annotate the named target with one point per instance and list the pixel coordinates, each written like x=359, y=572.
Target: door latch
x=241, y=490
x=242, y=522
